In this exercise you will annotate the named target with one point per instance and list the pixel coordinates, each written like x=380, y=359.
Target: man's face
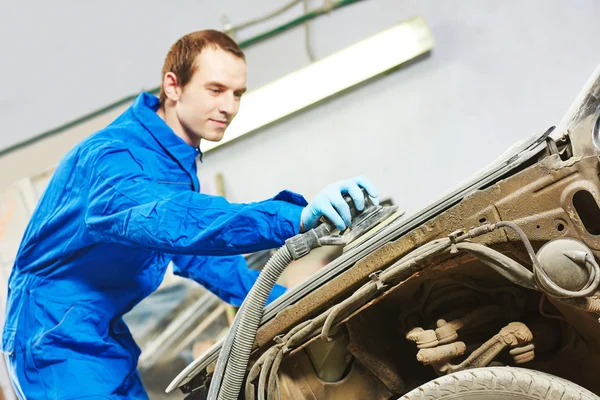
x=211, y=98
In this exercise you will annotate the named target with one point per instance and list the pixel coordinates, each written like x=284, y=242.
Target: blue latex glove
x=330, y=203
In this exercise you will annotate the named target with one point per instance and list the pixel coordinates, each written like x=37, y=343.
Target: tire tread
x=537, y=385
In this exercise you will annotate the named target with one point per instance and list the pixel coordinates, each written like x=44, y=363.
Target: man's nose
x=227, y=105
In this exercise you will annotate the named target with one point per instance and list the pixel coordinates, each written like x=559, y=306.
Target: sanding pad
x=364, y=237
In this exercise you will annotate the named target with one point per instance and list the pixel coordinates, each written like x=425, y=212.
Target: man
x=123, y=204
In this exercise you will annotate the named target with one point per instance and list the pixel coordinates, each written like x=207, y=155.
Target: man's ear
x=171, y=87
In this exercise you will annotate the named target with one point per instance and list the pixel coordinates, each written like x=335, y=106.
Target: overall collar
x=144, y=109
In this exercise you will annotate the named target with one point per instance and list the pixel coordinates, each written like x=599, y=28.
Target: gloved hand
x=330, y=203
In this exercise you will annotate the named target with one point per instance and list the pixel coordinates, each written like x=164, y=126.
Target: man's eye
x=215, y=90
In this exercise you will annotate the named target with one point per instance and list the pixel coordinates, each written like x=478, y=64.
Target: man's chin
x=213, y=136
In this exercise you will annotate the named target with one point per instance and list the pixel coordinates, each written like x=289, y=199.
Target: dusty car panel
x=426, y=297
x=512, y=159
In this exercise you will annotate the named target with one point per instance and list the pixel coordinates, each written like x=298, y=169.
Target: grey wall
x=500, y=71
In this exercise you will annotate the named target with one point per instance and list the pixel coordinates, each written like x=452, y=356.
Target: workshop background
x=499, y=72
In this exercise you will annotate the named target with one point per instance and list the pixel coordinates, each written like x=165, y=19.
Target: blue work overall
x=120, y=207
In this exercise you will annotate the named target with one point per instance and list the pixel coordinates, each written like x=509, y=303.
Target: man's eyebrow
x=215, y=83
x=220, y=85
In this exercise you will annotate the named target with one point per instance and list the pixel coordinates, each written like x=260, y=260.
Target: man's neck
x=170, y=117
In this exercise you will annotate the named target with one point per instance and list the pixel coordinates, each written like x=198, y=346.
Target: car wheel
x=500, y=383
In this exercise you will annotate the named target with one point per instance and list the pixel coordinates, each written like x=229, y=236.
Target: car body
x=439, y=312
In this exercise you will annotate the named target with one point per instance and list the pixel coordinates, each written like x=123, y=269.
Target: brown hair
x=181, y=55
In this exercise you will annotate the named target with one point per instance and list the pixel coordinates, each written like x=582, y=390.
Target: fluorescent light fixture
x=328, y=76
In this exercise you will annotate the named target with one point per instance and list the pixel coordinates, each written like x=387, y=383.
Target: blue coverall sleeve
x=127, y=206
x=226, y=276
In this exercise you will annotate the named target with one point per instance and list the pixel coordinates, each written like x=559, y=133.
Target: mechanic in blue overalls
x=123, y=204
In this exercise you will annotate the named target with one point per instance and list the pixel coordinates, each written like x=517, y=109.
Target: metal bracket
x=378, y=282
x=454, y=236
